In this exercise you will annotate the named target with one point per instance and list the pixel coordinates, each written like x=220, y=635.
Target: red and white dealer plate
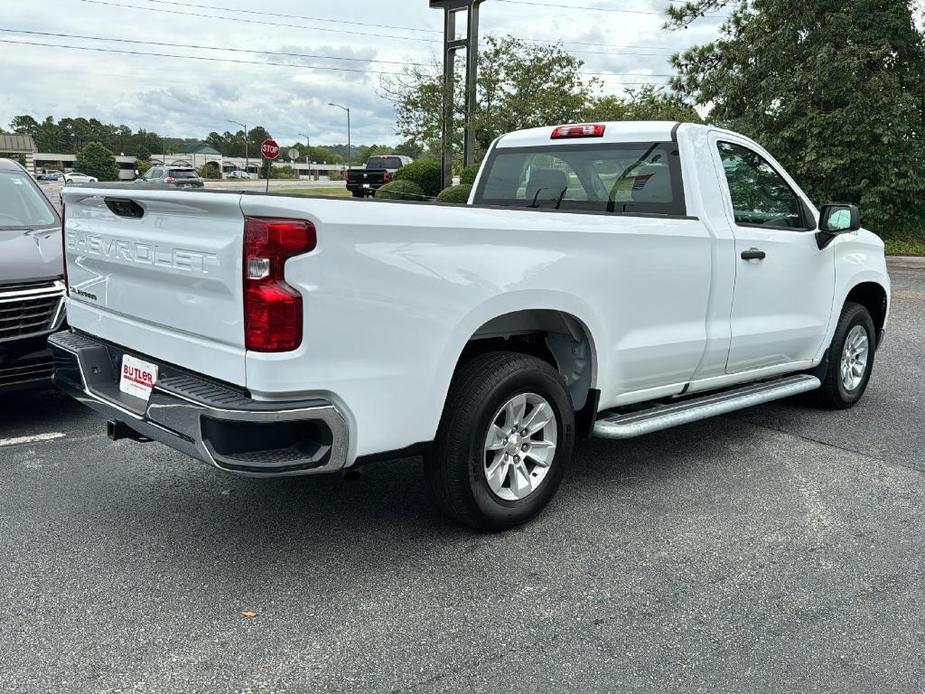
x=138, y=377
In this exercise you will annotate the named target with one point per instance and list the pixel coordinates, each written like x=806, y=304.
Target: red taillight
x=272, y=308
x=568, y=131
x=388, y=176
x=63, y=247
x=169, y=179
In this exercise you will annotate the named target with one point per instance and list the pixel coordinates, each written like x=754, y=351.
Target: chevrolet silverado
x=608, y=280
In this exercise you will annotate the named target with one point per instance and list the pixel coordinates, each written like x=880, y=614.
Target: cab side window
x=760, y=195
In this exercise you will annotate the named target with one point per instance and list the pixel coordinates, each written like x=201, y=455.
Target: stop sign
x=269, y=149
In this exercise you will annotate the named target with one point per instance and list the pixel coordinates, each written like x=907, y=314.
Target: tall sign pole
x=451, y=44
x=472, y=76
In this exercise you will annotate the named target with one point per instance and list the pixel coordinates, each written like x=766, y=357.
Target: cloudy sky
x=273, y=82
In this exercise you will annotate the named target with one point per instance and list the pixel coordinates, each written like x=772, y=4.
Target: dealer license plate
x=138, y=377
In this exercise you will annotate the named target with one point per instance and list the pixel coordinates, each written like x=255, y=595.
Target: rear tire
x=850, y=361
x=479, y=472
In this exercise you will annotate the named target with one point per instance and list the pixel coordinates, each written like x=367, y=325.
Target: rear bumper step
x=203, y=419
x=627, y=426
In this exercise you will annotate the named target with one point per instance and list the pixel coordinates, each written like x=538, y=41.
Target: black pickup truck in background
x=379, y=171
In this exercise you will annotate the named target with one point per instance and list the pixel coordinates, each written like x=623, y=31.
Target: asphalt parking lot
x=777, y=550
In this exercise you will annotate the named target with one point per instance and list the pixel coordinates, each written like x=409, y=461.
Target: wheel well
x=557, y=338
x=873, y=297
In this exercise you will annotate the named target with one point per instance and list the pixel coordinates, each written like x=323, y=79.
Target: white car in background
x=77, y=177
x=239, y=174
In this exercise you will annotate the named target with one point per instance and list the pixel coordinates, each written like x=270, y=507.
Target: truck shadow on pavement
x=204, y=521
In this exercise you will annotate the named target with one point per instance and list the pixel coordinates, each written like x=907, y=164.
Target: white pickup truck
x=604, y=280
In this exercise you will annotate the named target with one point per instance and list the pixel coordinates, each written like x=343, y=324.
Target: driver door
x=784, y=285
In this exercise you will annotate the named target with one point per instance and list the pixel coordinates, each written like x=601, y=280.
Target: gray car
x=31, y=282
x=171, y=176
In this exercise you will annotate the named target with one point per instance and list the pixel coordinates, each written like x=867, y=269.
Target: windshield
x=21, y=205
x=615, y=178
x=182, y=173
x=383, y=163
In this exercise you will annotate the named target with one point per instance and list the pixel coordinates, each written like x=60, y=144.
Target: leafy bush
x=468, y=174
x=458, y=195
x=282, y=171
x=425, y=173
x=401, y=190
x=97, y=161
x=210, y=170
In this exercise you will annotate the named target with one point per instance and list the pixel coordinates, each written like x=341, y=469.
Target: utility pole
x=349, y=147
x=308, y=158
x=246, y=161
x=450, y=45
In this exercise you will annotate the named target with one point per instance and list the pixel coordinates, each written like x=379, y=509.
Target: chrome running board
x=665, y=416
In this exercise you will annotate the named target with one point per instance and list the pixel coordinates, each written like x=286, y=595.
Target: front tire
x=851, y=359
x=503, y=443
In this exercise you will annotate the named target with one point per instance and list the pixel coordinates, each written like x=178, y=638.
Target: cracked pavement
x=779, y=549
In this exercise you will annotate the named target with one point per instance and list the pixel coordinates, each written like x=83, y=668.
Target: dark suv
x=172, y=176
x=31, y=286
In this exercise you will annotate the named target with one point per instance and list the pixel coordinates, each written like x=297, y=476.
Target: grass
x=905, y=247
x=317, y=192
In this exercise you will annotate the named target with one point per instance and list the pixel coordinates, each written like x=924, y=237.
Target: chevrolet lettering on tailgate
x=142, y=253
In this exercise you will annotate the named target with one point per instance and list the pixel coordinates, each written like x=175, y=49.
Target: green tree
x=646, y=103
x=141, y=152
x=521, y=85
x=833, y=88
x=325, y=154
x=409, y=148
x=24, y=125
x=219, y=142
x=95, y=160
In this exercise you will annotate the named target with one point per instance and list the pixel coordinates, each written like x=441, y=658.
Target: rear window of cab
x=640, y=178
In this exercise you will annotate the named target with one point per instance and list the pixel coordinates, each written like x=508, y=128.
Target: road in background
x=776, y=550
x=53, y=189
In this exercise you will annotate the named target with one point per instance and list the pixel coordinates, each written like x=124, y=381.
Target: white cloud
x=190, y=98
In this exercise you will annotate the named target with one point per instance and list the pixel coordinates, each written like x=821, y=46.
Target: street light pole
x=349, y=146
x=246, y=160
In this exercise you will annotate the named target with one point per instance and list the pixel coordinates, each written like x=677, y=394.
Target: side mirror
x=835, y=219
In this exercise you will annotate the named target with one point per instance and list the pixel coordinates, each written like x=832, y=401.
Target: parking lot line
x=50, y=436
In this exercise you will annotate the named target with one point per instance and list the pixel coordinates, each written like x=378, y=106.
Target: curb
x=904, y=262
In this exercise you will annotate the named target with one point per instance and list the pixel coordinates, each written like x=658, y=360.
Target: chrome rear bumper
x=210, y=421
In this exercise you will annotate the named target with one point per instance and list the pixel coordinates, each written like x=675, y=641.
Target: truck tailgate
x=159, y=272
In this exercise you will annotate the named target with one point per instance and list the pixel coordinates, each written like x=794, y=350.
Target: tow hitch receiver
x=116, y=430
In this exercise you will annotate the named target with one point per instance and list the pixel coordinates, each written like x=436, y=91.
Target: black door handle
x=753, y=254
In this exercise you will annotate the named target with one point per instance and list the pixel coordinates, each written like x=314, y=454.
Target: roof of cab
x=614, y=131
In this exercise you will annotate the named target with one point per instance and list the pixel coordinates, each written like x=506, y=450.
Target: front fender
x=859, y=258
